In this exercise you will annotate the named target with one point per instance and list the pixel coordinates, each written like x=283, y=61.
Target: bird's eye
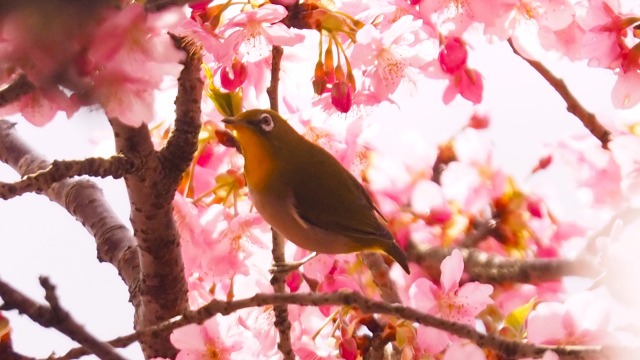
x=266, y=122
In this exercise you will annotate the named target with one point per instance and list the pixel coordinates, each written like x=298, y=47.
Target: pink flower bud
x=341, y=96
x=543, y=163
x=232, y=78
x=453, y=55
x=348, y=348
x=293, y=281
x=478, y=121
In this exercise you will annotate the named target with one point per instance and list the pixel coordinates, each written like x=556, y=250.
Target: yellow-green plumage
x=305, y=193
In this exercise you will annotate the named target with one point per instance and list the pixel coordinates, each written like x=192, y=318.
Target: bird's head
x=262, y=128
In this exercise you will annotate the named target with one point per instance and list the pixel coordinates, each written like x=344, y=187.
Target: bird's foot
x=280, y=268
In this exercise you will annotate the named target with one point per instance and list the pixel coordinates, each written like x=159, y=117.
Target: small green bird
x=305, y=193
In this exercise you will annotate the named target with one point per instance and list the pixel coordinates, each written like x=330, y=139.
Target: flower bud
x=341, y=96
x=453, y=55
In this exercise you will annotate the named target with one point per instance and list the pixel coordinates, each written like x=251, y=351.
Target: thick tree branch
x=178, y=152
x=587, y=118
x=508, y=348
x=81, y=198
x=163, y=288
x=116, y=166
x=493, y=269
x=54, y=316
x=17, y=89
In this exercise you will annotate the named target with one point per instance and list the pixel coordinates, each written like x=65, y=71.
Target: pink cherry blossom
x=217, y=338
x=467, y=351
x=130, y=40
x=449, y=300
x=467, y=83
x=581, y=320
x=624, y=95
x=392, y=55
x=252, y=33
x=595, y=171
x=41, y=105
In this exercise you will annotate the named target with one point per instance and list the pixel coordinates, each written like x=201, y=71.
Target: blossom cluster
x=349, y=57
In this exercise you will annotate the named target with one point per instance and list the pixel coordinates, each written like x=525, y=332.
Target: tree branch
x=587, y=118
x=278, y=279
x=163, y=288
x=17, y=89
x=84, y=200
x=380, y=273
x=182, y=144
x=54, y=316
x=116, y=166
x=493, y=269
x=483, y=229
x=509, y=348
x=159, y=5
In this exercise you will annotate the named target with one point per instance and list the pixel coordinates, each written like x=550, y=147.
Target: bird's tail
x=398, y=255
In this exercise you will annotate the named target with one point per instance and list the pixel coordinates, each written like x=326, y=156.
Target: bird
x=304, y=193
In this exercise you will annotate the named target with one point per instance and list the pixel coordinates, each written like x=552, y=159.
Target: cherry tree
x=494, y=260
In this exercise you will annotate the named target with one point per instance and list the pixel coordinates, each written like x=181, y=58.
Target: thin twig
x=272, y=90
x=54, y=316
x=483, y=230
x=509, y=348
x=587, y=118
x=116, y=166
x=278, y=278
x=380, y=273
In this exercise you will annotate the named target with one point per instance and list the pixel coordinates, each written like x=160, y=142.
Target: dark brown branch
x=483, y=230
x=116, y=166
x=587, y=118
x=81, y=198
x=282, y=322
x=182, y=144
x=493, y=269
x=272, y=90
x=508, y=348
x=163, y=288
x=159, y=5
x=54, y=316
x=17, y=89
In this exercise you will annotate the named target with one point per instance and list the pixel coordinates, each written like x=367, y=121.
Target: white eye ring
x=266, y=122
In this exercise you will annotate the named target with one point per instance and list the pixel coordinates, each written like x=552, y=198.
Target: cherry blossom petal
x=451, y=268
x=466, y=351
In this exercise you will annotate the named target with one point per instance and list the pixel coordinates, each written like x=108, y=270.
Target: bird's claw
x=287, y=267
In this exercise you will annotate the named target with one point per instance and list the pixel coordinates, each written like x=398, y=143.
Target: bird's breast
x=280, y=213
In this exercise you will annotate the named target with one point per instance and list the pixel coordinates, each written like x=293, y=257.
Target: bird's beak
x=230, y=121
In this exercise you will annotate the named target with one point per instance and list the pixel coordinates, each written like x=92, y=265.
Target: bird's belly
x=282, y=216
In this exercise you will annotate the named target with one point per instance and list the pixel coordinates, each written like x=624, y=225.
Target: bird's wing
x=335, y=200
